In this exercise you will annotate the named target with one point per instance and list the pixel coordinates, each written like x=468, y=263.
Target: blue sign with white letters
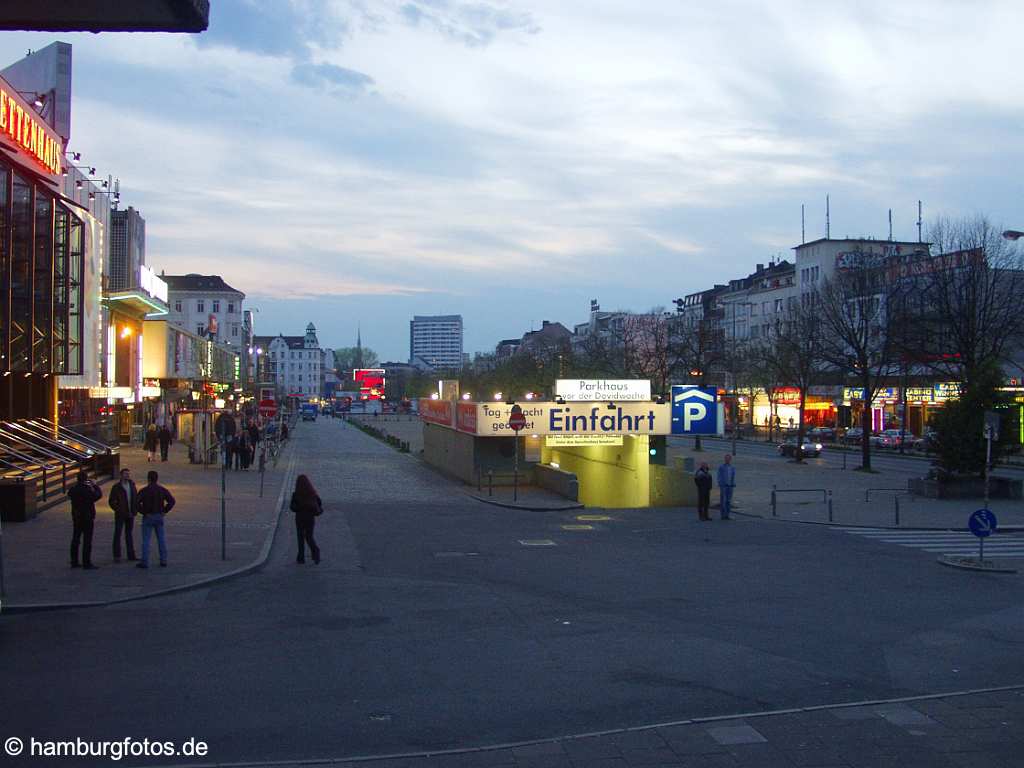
x=694, y=410
x=982, y=523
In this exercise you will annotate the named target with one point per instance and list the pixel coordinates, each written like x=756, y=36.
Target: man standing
x=726, y=483
x=123, y=499
x=165, y=442
x=702, y=478
x=83, y=495
x=155, y=501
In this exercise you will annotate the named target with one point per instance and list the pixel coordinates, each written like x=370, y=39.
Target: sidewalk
x=37, y=575
x=528, y=497
x=858, y=498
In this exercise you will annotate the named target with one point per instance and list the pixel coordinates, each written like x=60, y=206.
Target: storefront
x=41, y=265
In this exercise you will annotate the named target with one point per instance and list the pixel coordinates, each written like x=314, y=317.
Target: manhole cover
x=594, y=518
x=537, y=542
x=577, y=527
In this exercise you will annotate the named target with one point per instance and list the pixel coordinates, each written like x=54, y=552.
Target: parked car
x=810, y=448
x=853, y=435
x=822, y=434
x=925, y=442
x=890, y=438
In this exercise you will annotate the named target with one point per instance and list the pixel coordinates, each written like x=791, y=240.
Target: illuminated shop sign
x=577, y=419
x=946, y=390
x=919, y=394
x=33, y=137
x=787, y=396
x=606, y=390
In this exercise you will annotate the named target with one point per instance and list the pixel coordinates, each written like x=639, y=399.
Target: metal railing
x=826, y=498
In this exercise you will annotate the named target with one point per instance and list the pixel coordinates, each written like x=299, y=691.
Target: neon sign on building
x=18, y=122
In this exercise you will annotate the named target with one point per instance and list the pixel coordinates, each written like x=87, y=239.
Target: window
x=177, y=305
x=200, y=306
x=234, y=328
x=201, y=329
x=216, y=305
x=231, y=307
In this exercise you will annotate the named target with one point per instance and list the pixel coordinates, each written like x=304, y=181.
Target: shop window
x=42, y=290
x=58, y=347
x=5, y=181
x=76, y=269
x=21, y=274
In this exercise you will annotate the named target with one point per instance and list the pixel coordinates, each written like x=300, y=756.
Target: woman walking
x=149, y=443
x=307, y=507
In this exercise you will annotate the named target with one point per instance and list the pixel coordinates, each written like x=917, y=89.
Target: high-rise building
x=127, y=248
x=436, y=341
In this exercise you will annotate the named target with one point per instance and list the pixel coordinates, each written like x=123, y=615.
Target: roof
x=437, y=318
x=871, y=240
x=198, y=284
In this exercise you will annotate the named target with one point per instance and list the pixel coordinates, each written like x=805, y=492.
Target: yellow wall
x=613, y=476
x=154, y=349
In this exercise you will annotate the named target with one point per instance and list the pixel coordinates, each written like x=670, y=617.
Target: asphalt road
x=431, y=625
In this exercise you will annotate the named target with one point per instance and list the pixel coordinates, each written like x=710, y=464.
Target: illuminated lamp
x=529, y=395
x=435, y=396
x=465, y=395
x=126, y=332
x=78, y=183
x=498, y=396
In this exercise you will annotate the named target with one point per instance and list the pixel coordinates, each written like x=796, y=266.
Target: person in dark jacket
x=229, y=450
x=83, y=495
x=307, y=506
x=165, y=438
x=150, y=441
x=155, y=501
x=123, y=499
x=254, y=439
x=242, y=450
x=702, y=479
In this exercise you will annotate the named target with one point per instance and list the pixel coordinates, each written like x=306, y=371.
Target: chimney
x=760, y=267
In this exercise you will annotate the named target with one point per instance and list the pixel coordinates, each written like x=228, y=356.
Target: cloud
x=288, y=28
x=331, y=77
x=473, y=24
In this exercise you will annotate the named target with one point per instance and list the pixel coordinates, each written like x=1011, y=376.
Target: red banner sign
x=436, y=411
x=465, y=417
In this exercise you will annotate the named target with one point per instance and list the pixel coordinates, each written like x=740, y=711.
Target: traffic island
x=974, y=564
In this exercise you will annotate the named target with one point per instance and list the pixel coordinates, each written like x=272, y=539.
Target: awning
x=136, y=302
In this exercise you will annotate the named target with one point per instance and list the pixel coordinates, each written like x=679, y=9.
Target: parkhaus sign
x=603, y=390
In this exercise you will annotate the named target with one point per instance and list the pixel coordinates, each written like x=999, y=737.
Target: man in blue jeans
x=154, y=502
x=726, y=482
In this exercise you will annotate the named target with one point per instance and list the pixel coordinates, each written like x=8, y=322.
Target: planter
x=966, y=488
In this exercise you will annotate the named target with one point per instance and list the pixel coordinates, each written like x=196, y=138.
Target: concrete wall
x=673, y=486
x=558, y=481
x=461, y=455
x=615, y=476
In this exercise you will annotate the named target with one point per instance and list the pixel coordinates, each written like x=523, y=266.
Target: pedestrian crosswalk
x=944, y=542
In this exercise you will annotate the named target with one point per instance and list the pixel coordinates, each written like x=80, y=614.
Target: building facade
x=437, y=341
x=127, y=248
x=295, y=364
x=207, y=306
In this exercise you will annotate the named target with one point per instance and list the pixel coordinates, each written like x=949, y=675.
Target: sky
x=355, y=162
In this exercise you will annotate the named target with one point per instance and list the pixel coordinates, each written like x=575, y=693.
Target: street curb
x=826, y=524
x=252, y=567
x=492, y=502
x=599, y=734
x=959, y=564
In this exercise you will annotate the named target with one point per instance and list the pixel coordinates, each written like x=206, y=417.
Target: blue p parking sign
x=694, y=410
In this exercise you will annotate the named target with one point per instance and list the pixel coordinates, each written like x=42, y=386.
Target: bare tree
x=797, y=354
x=969, y=298
x=856, y=308
x=695, y=348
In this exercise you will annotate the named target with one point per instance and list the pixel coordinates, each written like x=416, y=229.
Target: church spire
x=359, y=347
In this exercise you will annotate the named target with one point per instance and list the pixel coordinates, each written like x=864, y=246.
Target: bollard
x=44, y=484
x=774, y=514
x=897, y=500
x=63, y=478
x=830, y=506
x=490, y=482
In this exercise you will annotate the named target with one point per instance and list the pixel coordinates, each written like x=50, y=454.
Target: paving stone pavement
x=977, y=730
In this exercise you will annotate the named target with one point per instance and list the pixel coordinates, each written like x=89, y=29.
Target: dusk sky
x=361, y=161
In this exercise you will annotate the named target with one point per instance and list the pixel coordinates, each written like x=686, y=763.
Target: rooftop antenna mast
x=919, y=222
x=890, y=225
x=828, y=223
x=803, y=228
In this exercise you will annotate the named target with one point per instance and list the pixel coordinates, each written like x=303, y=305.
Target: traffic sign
x=268, y=408
x=982, y=523
x=516, y=420
x=694, y=410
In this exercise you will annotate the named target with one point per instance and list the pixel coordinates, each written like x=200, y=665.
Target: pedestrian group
x=726, y=478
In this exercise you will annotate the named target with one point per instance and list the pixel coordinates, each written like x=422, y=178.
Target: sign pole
x=515, y=470
x=223, y=514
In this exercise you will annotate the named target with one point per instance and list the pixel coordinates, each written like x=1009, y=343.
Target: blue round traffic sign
x=982, y=523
